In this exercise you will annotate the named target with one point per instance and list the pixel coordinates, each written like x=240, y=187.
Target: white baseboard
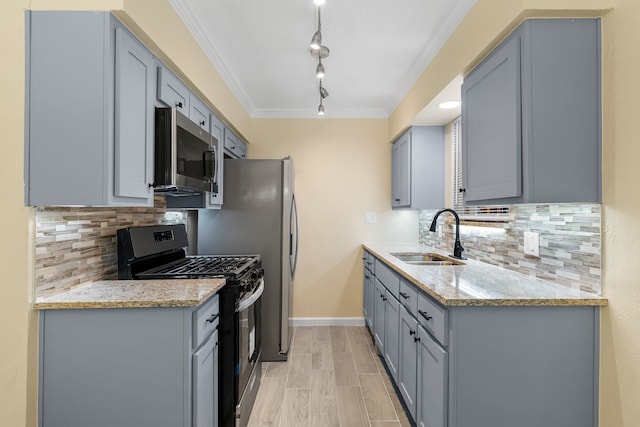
x=326, y=321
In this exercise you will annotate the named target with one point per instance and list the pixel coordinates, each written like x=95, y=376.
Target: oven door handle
x=246, y=302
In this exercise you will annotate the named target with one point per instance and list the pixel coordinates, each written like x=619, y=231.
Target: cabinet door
x=401, y=171
x=205, y=384
x=378, y=317
x=407, y=381
x=199, y=113
x=391, y=339
x=491, y=126
x=172, y=91
x=432, y=392
x=369, y=299
x=133, y=143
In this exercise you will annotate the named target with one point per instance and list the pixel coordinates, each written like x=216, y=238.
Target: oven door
x=249, y=319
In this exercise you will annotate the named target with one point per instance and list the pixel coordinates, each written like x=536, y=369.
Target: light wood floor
x=333, y=378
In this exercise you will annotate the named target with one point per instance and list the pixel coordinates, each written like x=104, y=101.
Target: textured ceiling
x=378, y=50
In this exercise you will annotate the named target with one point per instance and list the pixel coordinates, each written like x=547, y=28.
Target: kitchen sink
x=425, y=258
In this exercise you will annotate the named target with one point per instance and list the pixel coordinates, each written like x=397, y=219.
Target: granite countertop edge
x=440, y=280
x=132, y=294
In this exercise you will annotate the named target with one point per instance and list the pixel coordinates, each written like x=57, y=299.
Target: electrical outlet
x=532, y=243
x=369, y=217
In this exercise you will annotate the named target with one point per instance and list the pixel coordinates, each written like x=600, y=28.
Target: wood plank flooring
x=333, y=378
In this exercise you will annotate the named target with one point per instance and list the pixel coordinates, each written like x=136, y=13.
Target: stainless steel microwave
x=185, y=155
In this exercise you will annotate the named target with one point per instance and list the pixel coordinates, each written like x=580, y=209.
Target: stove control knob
x=257, y=273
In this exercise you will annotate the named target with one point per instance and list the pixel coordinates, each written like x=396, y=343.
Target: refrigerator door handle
x=293, y=254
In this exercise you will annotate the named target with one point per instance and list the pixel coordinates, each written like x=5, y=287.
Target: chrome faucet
x=457, y=247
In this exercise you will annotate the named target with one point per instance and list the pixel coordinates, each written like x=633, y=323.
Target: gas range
x=157, y=252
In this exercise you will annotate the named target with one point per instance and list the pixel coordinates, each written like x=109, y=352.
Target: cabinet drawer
x=434, y=318
x=368, y=260
x=205, y=320
x=388, y=278
x=409, y=297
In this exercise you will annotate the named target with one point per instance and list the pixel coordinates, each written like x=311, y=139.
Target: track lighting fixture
x=323, y=92
x=320, y=70
x=320, y=52
x=316, y=40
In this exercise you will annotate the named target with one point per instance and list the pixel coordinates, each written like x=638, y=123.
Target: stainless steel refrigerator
x=259, y=216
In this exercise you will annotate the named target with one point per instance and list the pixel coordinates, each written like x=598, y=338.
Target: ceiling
x=378, y=49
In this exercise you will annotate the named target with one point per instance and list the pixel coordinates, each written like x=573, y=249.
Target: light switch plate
x=532, y=243
x=369, y=217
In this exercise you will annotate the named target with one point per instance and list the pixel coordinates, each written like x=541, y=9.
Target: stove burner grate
x=203, y=266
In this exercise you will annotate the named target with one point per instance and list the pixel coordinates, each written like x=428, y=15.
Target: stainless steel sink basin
x=428, y=258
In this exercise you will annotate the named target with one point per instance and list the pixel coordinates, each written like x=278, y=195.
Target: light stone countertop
x=479, y=284
x=133, y=294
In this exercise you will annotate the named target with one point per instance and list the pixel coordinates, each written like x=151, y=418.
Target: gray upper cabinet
x=89, y=112
x=492, y=166
x=172, y=91
x=199, y=113
x=418, y=168
x=531, y=117
x=234, y=147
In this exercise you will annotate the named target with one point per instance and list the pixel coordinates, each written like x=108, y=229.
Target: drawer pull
x=411, y=332
x=425, y=315
x=212, y=318
x=179, y=104
x=403, y=295
x=366, y=277
x=416, y=339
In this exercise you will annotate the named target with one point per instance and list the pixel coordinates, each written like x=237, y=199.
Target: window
x=469, y=213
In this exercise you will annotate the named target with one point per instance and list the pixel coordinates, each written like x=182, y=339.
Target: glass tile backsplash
x=570, y=251
x=77, y=245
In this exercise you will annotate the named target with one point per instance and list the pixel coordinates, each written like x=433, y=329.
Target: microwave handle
x=209, y=165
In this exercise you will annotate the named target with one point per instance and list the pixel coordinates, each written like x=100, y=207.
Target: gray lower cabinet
x=379, y=314
x=391, y=338
x=531, y=116
x=90, y=86
x=432, y=382
x=418, y=168
x=487, y=366
x=205, y=383
x=407, y=371
x=121, y=367
x=368, y=297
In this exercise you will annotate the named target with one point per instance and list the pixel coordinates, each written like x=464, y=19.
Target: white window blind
x=469, y=213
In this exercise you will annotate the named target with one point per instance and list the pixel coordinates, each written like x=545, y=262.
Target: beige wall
x=343, y=169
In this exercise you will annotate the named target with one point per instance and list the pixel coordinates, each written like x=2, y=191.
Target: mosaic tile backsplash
x=76, y=245
x=570, y=251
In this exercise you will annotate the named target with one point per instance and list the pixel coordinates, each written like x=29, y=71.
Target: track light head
x=316, y=40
